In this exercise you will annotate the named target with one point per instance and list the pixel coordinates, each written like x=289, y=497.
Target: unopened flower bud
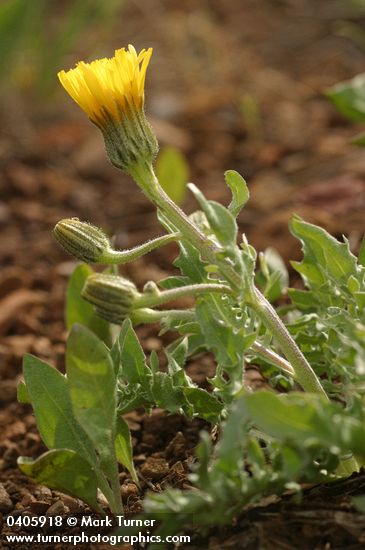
x=83, y=240
x=112, y=296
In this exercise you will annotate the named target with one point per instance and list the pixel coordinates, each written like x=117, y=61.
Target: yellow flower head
x=111, y=92
x=109, y=87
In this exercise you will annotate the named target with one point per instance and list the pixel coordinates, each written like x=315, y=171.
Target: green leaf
x=310, y=273
x=280, y=417
x=178, y=350
x=22, y=393
x=92, y=384
x=292, y=462
x=239, y=189
x=165, y=394
x=233, y=440
x=123, y=448
x=220, y=219
x=217, y=326
x=204, y=404
x=115, y=355
x=79, y=311
x=349, y=97
x=63, y=470
x=353, y=284
x=131, y=397
x=256, y=454
x=324, y=256
x=154, y=362
x=306, y=419
x=48, y=392
x=360, y=300
x=133, y=360
x=303, y=299
x=172, y=171
x=173, y=282
x=196, y=344
x=190, y=264
x=222, y=223
x=273, y=275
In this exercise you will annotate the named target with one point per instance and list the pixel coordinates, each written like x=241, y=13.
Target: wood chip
x=16, y=302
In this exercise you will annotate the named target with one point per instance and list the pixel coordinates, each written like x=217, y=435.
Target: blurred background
x=233, y=84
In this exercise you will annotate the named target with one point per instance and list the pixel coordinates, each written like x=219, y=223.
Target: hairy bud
x=111, y=295
x=83, y=240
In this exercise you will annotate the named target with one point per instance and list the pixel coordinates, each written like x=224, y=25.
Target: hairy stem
x=304, y=374
x=273, y=358
x=145, y=315
x=153, y=300
x=120, y=257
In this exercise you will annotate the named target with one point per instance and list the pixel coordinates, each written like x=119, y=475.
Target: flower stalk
x=120, y=257
x=88, y=243
x=151, y=316
x=158, y=298
x=273, y=358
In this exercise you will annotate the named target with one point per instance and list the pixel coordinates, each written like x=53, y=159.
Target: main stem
x=304, y=374
x=209, y=250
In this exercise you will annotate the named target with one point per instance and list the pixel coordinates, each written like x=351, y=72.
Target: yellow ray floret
x=109, y=87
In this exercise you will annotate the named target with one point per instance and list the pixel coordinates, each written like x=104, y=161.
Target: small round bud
x=111, y=295
x=83, y=240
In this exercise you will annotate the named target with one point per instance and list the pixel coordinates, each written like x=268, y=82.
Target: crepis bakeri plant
x=311, y=352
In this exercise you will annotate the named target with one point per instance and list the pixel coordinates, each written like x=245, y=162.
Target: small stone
x=6, y=504
x=129, y=490
x=11, y=488
x=7, y=391
x=155, y=468
x=43, y=492
x=149, y=439
x=74, y=505
x=179, y=469
x=27, y=500
x=32, y=438
x=39, y=507
x=57, y=509
x=11, y=454
x=177, y=446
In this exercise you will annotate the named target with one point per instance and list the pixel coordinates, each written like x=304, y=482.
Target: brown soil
x=295, y=155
